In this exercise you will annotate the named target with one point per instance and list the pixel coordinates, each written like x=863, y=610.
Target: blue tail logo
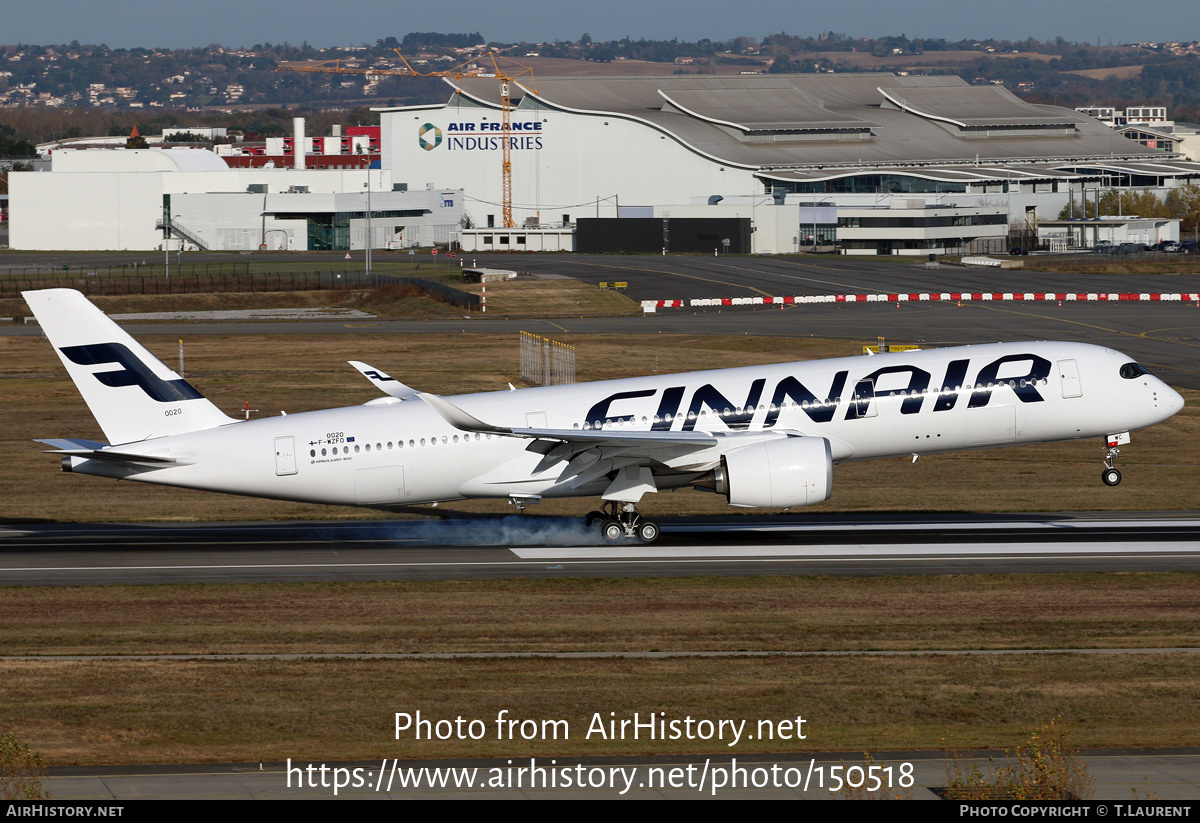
x=133, y=372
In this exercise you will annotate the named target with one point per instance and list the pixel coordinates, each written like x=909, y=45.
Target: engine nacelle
x=793, y=471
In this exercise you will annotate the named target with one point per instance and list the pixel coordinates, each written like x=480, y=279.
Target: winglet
x=384, y=381
x=458, y=418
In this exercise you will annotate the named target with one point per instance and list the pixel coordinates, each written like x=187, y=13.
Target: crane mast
x=457, y=72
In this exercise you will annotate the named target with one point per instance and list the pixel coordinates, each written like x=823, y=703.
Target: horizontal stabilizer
x=71, y=443
x=99, y=451
x=384, y=381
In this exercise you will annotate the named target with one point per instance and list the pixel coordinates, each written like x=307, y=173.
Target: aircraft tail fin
x=130, y=392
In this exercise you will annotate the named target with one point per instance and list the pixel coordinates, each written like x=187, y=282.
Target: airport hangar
x=879, y=163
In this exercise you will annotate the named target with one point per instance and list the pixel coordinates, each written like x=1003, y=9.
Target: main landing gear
x=1111, y=474
x=621, y=521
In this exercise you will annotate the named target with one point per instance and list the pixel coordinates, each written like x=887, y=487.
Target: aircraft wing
x=586, y=437
x=384, y=381
x=629, y=458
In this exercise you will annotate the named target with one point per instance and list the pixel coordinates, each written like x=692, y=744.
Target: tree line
x=1182, y=203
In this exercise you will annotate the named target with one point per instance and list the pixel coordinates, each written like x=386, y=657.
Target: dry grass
x=702, y=614
x=552, y=298
x=1120, y=72
x=148, y=712
x=391, y=301
x=131, y=303
x=1103, y=264
x=402, y=301
x=1047, y=766
x=197, y=711
x=280, y=372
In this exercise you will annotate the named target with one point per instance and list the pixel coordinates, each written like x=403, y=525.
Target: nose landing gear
x=1111, y=474
x=622, y=521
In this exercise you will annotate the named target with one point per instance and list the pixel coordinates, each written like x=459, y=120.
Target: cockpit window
x=1131, y=370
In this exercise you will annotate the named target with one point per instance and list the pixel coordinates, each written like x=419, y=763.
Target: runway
x=533, y=547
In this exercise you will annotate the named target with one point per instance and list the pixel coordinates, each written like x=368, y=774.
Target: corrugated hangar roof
x=968, y=106
x=801, y=121
x=757, y=110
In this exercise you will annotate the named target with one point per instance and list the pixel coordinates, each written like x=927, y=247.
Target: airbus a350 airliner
x=760, y=435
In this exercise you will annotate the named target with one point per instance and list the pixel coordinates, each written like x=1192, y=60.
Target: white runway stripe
x=636, y=552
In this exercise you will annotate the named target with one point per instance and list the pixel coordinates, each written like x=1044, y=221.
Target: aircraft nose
x=1169, y=401
x=1173, y=401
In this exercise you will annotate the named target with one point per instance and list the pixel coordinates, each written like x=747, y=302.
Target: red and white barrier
x=960, y=297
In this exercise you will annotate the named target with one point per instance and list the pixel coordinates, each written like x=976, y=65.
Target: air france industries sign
x=485, y=136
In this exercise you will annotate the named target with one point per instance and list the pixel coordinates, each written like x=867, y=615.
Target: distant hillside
x=90, y=84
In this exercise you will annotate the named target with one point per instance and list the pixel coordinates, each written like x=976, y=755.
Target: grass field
x=587, y=615
x=1098, y=264
x=241, y=711
x=525, y=298
x=1121, y=72
x=194, y=710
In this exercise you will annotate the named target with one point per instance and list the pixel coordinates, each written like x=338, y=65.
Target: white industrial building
x=870, y=143
x=124, y=199
x=1110, y=232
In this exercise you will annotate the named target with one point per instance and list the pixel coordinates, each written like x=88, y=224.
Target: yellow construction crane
x=468, y=68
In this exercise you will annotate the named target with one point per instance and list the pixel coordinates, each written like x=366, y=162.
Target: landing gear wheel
x=593, y=517
x=612, y=531
x=648, y=531
x=1111, y=477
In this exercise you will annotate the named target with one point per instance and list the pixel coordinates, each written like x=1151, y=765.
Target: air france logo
x=489, y=135
x=133, y=372
x=429, y=136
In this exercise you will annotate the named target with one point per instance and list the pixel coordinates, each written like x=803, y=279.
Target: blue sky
x=176, y=24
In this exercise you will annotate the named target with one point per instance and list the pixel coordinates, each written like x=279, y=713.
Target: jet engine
x=794, y=471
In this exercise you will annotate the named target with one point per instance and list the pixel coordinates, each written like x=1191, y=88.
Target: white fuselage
x=389, y=453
